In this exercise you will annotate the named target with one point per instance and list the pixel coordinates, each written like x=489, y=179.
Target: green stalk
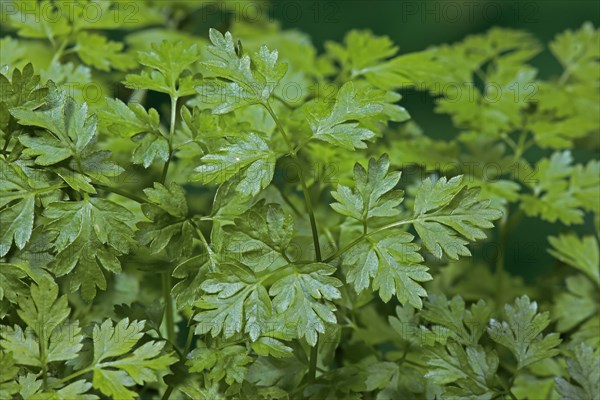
x=43, y=357
x=120, y=192
x=169, y=320
x=166, y=278
x=5, y=152
x=500, y=264
x=174, y=99
x=73, y=376
x=312, y=366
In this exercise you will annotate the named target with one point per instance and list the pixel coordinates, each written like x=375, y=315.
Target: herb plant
x=235, y=215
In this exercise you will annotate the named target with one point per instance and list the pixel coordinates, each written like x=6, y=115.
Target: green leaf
x=585, y=181
x=49, y=337
x=76, y=390
x=90, y=234
x=95, y=50
x=248, y=158
x=373, y=196
x=575, y=305
x=393, y=264
x=11, y=52
x=406, y=323
x=169, y=227
x=337, y=124
x=167, y=69
x=192, y=273
x=117, y=365
x=128, y=120
x=554, y=196
x=448, y=215
x=8, y=384
x=363, y=55
x=236, y=301
x=143, y=127
x=464, y=372
x=268, y=346
x=70, y=134
x=17, y=223
x=379, y=375
x=465, y=326
x=302, y=297
x=577, y=51
x=522, y=334
x=23, y=90
x=584, y=373
x=29, y=23
x=249, y=80
x=229, y=363
x=12, y=282
x=150, y=149
x=581, y=253
x=71, y=130
x=260, y=237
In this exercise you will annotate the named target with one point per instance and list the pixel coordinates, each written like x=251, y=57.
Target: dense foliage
x=239, y=216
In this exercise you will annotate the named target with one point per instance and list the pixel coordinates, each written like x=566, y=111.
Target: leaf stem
x=166, y=277
x=120, y=192
x=43, y=356
x=165, y=170
x=189, y=339
x=169, y=320
x=74, y=375
x=168, y=393
x=59, y=52
x=312, y=366
x=5, y=152
x=500, y=263
x=307, y=199
x=507, y=390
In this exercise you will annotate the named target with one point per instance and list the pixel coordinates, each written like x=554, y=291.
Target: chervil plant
x=236, y=216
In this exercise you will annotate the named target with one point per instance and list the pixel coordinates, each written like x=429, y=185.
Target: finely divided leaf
x=374, y=194
x=581, y=253
x=70, y=134
x=170, y=227
x=584, y=371
x=303, y=299
x=250, y=159
x=522, y=333
x=242, y=79
x=89, y=234
x=465, y=326
x=337, y=124
x=49, y=336
x=447, y=215
x=561, y=190
x=394, y=265
x=259, y=237
x=133, y=121
x=117, y=365
x=465, y=373
x=229, y=363
x=167, y=69
x=236, y=301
